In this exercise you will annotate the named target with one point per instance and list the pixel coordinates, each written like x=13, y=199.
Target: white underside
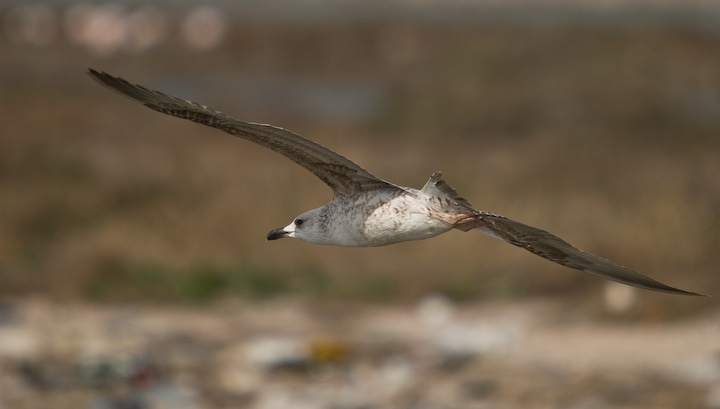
x=399, y=219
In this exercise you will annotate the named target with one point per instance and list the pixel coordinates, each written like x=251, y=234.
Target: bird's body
x=366, y=211
x=378, y=219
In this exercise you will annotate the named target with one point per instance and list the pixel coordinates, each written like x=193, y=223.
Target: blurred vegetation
x=204, y=283
x=607, y=137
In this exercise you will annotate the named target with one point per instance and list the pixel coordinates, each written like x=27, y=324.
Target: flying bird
x=366, y=211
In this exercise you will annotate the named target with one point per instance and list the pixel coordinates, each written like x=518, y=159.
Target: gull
x=366, y=211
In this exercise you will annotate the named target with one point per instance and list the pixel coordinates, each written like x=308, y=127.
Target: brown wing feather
x=341, y=174
x=555, y=249
x=436, y=186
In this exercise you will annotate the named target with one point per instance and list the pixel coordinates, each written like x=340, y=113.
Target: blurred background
x=134, y=271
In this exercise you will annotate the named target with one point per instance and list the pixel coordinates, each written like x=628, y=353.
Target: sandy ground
x=298, y=354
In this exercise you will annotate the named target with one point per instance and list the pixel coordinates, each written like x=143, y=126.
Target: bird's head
x=308, y=226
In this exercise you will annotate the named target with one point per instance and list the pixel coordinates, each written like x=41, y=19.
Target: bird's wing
x=553, y=248
x=341, y=174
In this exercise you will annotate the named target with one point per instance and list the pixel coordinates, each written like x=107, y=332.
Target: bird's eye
x=299, y=222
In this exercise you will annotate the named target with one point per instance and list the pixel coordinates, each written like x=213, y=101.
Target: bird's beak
x=277, y=234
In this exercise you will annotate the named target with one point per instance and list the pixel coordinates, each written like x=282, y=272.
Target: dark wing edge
x=555, y=249
x=341, y=174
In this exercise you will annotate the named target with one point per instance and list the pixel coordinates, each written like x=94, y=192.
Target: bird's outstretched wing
x=553, y=248
x=341, y=174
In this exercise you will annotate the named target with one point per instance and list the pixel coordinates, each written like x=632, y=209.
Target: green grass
x=205, y=283
x=196, y=285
